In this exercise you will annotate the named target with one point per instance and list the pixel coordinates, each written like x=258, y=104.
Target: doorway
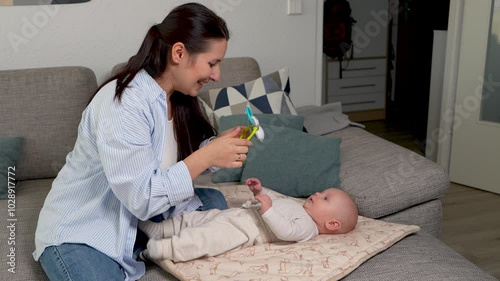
x=407, y=107
x=475, y=132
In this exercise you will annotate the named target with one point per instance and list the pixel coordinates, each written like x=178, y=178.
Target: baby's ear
x=333, y=225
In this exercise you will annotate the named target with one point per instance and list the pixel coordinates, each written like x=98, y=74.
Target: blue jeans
x=79, y=262
x=211, y=199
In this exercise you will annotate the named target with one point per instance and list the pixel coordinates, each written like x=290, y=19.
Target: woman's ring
x=239, y=156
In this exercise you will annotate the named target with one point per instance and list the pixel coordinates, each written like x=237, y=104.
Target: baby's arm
x=265, y=202
x=290, y=224
x=256, y=187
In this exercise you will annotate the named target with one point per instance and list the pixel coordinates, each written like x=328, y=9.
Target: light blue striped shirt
x=112, y=176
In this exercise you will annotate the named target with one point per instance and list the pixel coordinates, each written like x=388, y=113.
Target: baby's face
x=323, y=205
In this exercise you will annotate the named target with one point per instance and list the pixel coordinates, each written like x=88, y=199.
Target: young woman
x=141, y=141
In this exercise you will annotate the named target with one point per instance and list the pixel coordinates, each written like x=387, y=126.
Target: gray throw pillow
x=294, y=163
x=10, y=148
x=275, y=122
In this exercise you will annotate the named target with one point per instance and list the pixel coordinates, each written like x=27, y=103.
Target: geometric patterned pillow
x=268, y=95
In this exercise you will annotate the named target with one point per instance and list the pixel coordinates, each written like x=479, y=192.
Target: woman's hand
x=225, y=151
x=228, y=150
x=231, y=131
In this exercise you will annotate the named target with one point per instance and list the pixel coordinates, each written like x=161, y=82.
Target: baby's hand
x=265, y=202
x=254, y=185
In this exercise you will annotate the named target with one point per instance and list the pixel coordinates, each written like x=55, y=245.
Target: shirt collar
x=149, y=86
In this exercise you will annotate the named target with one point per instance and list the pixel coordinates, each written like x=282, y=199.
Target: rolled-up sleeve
x=203, y=143
x=168, y=181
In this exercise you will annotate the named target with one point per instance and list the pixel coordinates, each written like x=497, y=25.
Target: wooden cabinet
x=362, y=87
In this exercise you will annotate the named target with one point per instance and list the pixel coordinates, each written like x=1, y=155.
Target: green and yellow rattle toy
x=254, y=129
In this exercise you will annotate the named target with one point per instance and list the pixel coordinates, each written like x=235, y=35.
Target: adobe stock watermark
x=32, y=25
x=362, y=36
x=223, y=6
x=11, y=219
x=472, y=103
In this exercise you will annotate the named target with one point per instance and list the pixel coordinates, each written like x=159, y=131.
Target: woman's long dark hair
x=194, y=25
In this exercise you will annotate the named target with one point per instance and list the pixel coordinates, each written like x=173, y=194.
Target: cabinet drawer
x=359, y=85
x=360, y=102
x=357, y=68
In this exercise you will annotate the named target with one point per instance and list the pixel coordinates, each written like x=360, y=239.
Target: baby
x=192, y=235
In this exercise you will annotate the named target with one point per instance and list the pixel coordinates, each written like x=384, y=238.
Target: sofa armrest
x=385, y=178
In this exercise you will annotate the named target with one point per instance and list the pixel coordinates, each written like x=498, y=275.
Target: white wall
x=100, y=34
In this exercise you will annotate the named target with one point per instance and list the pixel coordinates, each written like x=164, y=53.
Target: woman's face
x=195, y=70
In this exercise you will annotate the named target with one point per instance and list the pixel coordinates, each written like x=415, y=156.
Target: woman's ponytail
x=151, y=57
x=195, y=26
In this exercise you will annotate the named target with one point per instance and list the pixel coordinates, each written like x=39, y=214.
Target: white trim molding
x=450, y=83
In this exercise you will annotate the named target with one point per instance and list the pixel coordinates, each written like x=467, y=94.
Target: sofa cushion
x=30, y=196
x=419, y=257
x=44, y=106
x=384, y=178
x=9, y=152
x=275, y=121
x=294, y=163
x=289, y=161
x=426, y=215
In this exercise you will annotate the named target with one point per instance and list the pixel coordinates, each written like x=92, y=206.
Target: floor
x=471, y=217
x=471, y=226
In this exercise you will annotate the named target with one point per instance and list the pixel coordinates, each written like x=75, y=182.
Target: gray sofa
x=387, y=181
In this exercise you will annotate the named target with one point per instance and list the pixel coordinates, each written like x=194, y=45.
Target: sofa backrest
x=44, y=106
x=234, y=71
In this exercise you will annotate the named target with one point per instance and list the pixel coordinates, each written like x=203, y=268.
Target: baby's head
x=333, y=211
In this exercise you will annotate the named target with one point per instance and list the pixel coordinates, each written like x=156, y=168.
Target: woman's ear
x=178, y=52
x=333, y=225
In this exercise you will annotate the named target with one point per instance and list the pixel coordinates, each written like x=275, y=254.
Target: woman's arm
x=127, y=152
x=124, y=142
x=232, y=140
x=225, y=151
x=226, y=132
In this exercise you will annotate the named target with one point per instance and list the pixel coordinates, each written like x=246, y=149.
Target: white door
x=475, y=146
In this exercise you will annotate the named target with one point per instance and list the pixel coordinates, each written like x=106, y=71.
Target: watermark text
x=11, y=219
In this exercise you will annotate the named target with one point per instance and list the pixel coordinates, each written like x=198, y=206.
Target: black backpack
x=337, y=30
